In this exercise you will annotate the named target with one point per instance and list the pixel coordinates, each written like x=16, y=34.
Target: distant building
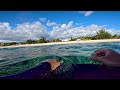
x=78, y=40
x=65, y=40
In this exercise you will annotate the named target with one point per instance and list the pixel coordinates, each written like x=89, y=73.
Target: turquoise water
x=15, y=60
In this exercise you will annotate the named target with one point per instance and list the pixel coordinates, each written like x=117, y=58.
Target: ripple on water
x=15, y=60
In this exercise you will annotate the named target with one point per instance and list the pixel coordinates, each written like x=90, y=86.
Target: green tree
x=43, y=40
x=118, y=36
x=30, y=41
x=115, y=36
x=56, y=40
x=102, y=34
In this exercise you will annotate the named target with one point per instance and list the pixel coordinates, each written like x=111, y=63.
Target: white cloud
x=49, y=23
x=64, y=26
x=43, y=19
x=86, y=13
x=6, y=41
x=70, y=24
x=36, y=30
x=60, y=32
x=23, y=32
x=5, y=25
x=77, y=24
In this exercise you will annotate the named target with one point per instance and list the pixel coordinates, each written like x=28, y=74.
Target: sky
x=23, y=25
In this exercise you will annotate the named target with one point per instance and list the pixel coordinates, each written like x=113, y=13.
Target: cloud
x=43, y=19
x=64, y=26
x=86, y=13
x=49, y=23
x=60, y=32
x=5, y=25
x=6, y=41
x=77, y=24
x=70, y=24
x=23, y=32
x=36, y=30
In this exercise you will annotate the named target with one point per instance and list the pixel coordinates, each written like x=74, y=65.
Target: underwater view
x=16, y=60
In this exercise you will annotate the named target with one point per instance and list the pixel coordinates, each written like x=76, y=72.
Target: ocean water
x=16, y=60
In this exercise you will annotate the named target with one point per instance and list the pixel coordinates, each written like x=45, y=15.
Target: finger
x=55, y=65
x=50, y=60
x=95, y=58
x=99, y=52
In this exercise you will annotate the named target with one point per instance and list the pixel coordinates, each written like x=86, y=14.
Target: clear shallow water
x=15, y=60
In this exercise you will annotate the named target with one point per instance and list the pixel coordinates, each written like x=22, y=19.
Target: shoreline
x=58, y=43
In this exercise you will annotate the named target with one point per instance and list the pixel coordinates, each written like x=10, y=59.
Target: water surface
x=16, y=60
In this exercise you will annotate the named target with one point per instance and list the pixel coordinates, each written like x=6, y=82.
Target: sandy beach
x=69, y=42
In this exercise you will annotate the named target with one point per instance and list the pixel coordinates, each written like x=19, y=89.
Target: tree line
x=101, y=34
x=30, y=41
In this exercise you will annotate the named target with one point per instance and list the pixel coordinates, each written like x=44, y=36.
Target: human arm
x=108, y=57
x=42, y=71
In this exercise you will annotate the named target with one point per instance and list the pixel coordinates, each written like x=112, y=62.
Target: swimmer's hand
x=54, y=63
x=107, y=56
